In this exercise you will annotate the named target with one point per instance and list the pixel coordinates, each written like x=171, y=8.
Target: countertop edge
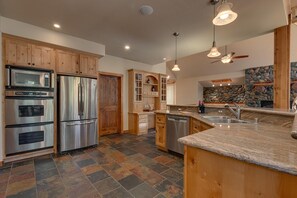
x=272, y=165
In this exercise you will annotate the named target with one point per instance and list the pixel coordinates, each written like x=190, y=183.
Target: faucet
x=237, y=113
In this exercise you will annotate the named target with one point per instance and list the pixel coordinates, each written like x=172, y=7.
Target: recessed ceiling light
x=229, y=84
x=221, y=85
x=164, y=59
x=213, y=85
x=168, y=77
x=127, y=47
x=57, y=25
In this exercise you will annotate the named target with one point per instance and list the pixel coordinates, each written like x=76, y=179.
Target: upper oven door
x=29, y=78
x=29, y=110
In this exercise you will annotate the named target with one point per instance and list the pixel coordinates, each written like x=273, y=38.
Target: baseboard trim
x=23, y=156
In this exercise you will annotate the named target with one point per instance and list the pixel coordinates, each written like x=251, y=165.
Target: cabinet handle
x=33, y=63
x=29, y=63
x=80, y=72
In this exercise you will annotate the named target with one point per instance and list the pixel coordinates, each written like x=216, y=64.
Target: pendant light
x=175, y=67
x=225, y=14
x=214, y=52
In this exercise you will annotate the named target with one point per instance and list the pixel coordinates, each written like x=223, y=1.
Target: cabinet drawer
x=160, y=118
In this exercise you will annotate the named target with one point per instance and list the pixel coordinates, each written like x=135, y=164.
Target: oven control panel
x=30, y=93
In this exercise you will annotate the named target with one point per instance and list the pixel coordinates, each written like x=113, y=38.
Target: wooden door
x=43, y=57
x=17, y=53
x=110, y=110
x=67, y=62
x=88, y=65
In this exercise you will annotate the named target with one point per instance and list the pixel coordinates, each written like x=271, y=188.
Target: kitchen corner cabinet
x=197, y=126
x=138, y=123
x=161, y=131
x=21, y=53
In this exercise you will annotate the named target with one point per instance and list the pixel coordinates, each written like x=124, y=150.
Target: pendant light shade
x=175, y=67
x=214, y=52
x=225, y=14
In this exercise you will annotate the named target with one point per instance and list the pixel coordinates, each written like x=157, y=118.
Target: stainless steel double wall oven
x=29, y=109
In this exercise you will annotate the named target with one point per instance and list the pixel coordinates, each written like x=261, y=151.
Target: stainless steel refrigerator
x=77, y=112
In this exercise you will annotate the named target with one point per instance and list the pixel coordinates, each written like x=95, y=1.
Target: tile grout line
x=8, y=180
x=35, y=177
x=60, y=177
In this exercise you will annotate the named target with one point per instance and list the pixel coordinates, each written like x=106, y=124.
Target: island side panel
x=211, y=175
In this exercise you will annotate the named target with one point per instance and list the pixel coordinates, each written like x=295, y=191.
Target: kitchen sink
x=224, y=119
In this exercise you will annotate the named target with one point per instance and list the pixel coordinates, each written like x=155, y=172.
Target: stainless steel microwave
x=24, y=77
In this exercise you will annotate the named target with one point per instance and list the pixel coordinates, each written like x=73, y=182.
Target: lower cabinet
x=161, y=131
x=198, y=126
x=138, y=124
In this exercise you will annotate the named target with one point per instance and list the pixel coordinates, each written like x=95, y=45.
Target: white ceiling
x=115, y=23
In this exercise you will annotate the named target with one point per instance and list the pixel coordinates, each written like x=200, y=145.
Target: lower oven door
x=28, y=138
x=29, y=110
x=77, y=134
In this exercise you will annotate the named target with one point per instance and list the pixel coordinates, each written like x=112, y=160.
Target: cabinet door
x=17, y=53
x=67, y=62
x=43, y=57
x=161, y=135
x=88, y=65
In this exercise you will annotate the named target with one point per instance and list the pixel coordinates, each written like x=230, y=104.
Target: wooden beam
x=282, y=38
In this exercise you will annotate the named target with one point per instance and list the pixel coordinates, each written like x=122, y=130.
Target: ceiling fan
x=228, y=58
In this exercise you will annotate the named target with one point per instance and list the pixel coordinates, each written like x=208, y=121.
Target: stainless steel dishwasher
x=177, y=127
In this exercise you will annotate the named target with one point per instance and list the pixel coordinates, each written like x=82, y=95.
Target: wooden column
x=282, y=67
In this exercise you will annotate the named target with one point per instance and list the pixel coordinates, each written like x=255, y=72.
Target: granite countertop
x=285, y=112
x=262, y=144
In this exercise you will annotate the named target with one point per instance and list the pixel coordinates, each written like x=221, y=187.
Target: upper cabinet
x=76, y=64
x=21, y=53
x=67, y=62
x=88, y=65
x=25, y=52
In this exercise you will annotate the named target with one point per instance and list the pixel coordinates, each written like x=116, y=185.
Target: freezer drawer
x=78, y=134
x=27, y=138
x=177, y=127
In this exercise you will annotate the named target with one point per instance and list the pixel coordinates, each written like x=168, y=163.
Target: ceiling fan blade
x=216, y=61
x=242, y=56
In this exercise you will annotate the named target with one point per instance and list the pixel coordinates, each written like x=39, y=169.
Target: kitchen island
x=240, y=160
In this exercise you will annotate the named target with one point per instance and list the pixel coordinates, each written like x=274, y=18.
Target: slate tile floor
x=122, y=166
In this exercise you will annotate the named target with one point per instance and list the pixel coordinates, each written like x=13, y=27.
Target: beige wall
x=189, y=90
x=121, y=66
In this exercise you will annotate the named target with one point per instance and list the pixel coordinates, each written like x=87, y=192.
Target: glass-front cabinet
x=138, y=87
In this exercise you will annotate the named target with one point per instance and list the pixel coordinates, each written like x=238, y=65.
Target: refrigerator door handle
x=79, y=100
x=82, y=101
x=81, y=123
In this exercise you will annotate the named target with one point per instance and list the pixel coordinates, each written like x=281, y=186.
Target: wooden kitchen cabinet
x=17, y=52
x=22, y=53
x=67, y=62
x=197, y=126
x=43, y=57
x=161, y=131
x=138, y=123
x=88, y=65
